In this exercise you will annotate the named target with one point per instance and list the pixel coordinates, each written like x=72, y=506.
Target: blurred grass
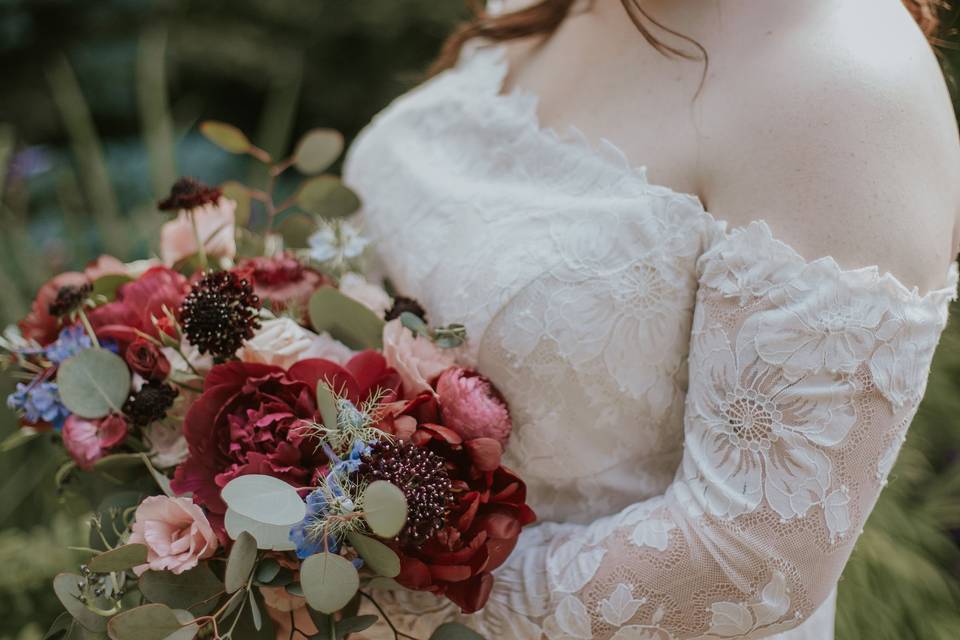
x=97, y=118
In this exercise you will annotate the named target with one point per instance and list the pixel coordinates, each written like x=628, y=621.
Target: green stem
x=86, y=325
x=201, y=250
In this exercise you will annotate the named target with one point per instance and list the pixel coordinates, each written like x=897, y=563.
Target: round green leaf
x=243, y=555
x=327, y=197
x=226, y=136
x=265, y=499
x=384, y=508
x=267, y=570
x=150, y=622
x=329, y=581
x=120, y=559
x=240, y=194
x=107, y=285
x=268, y=536
x=94, y=383
x=296, y=227
x=317, y=150
x=347, y=320
x=454, y=631
x=378, y=556
x=60, y=627
x=66, y=589
x=194, y=589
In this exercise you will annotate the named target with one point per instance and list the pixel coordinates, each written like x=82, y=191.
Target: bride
x=710, y=384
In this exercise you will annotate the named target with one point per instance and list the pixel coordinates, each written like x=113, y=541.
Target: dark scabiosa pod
x=149, y=404
x=220, y=313
x=189, y=193
x=69, y=299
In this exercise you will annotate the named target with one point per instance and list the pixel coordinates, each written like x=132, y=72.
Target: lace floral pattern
x=703, y=417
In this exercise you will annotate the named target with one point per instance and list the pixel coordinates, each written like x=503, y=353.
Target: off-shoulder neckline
x=486, y=66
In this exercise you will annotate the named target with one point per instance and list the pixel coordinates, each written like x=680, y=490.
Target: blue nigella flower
x=72, y=340
x=336, y=241
x=307, y=544
x=351, y=464
x=39, y=402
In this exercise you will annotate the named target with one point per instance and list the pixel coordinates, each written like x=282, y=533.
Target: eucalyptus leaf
x=255, y=611
x=226, y=136
x=269, y=536
x=120, y=559
x=327, y=197
x=267, y=570
x=18, y=438
x=317, y=150
x=66, y=589
x=240, y=194
x=384, y=508
x=329, y=581
x=454, y=631
x=347, y=320
x=296, y=227
x=243, y=555
x=327, y=403
x=265, y=499
x=93, y=383
x=295, y=589
x=106, y=286
x=150, y=622
x=415, y=323
x=378, y=556
x=196, y=589
x=162, y=481
x=60, y=627
x=356, y=624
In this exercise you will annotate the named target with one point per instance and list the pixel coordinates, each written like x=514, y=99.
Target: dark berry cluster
x=220, y=313
x=150, y=403
x=423, y=478
x=69, y=299
x=401, y=304
x=189, y=193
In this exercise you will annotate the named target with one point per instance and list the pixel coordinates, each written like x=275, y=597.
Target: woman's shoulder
x=838, y=130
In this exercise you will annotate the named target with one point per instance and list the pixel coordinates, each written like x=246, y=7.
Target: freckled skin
x=829, y=119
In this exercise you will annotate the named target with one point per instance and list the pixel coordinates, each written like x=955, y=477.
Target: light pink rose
x=283, y=342
x=417, y=359
x=87, y=440
x=216, y=225
x=473, y=407
x=176, y=533
x=370, y=295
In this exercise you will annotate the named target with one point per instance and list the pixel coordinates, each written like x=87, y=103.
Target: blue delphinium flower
x=72, y=340
x=39, y=402
x=300, y=534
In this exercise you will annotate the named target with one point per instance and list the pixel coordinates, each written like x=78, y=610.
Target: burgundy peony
x=472, y=406
x=282, y=280
x=483, y=525
x=141, y=302
x=249, y=419
x=144, y=358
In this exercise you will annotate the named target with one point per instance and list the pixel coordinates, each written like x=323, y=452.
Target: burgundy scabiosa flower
x=189, y=193
x=69, y=298
x=220, y=313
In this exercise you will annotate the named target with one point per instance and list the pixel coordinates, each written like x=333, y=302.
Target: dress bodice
x=677, y=387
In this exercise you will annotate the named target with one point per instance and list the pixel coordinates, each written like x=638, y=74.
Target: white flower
x=336, y=241
x=755, y=433
x=283, y=342
x=355, y=286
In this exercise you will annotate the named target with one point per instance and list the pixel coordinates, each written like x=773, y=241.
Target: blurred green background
x=98, y=106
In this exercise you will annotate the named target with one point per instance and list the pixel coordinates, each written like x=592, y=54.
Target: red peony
x=144, y=358
x=484, y=523
x=142, y=301
x=282, y=280
x=249, y=418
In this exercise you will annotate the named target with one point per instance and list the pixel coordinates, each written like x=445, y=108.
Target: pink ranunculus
x=472, y=406
x=418, y=360
x=176, y=533
x=87, y=440
x=216, y=226
x=366, y=293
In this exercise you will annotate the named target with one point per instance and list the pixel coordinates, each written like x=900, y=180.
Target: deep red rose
x=143, y=357
x=484, y=524
x=282, y=280
x=249, y=419
x=142, y=301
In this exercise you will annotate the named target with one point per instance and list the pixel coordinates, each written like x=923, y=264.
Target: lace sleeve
x=803, y=381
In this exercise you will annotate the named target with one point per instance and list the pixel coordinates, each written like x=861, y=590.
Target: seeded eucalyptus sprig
x=447, y=337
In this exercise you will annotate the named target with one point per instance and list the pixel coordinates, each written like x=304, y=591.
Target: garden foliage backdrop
x=98, y=110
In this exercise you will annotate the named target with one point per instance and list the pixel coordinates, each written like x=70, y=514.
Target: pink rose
x=472, y=406
x=176, y=533
x=216, y=226
x=417, y=359
x=87, y=440
x=283, y=342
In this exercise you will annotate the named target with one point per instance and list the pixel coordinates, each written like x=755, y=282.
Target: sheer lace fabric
x=704, y=418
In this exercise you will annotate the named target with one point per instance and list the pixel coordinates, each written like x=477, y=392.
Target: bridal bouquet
x=262, y=435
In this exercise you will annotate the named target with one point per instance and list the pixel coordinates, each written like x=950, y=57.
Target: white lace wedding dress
x=704, y=418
